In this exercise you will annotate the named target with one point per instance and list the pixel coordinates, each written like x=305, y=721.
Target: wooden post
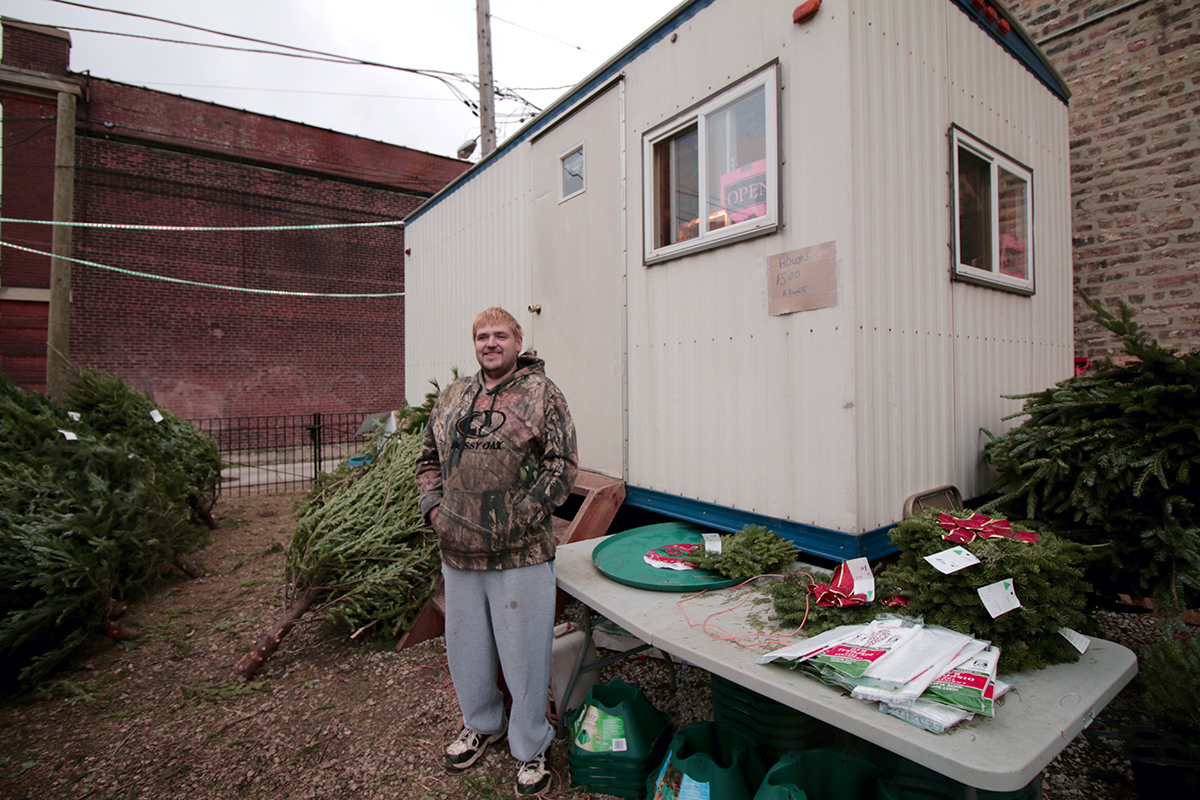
x=487, y=89
x=58, y=332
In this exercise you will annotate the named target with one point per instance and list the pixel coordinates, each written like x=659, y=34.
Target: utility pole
x=58, y=331
x=487, y=91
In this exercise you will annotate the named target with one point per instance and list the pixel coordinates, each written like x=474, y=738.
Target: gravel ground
x=327, y=718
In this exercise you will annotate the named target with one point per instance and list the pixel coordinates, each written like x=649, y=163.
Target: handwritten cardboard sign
x=802, y=280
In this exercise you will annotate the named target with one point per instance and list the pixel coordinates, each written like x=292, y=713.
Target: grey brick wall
x=1134, y=70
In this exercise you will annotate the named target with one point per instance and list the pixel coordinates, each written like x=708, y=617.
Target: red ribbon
x=962, y=531
x=837, y=592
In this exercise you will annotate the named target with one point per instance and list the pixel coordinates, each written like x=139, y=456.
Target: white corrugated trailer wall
x=728, y=404
x=934, y=357
x=903, y=326
x=468, y=252
x=1006, y=344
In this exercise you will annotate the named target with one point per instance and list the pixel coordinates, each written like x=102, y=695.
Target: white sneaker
x=534, y=776
x=469, y=747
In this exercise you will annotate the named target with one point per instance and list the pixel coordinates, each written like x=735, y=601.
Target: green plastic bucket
x=615, y=723
x=818, y=774
x=905, y=779
x=776, y=728
x=707, y=760
x=616, y=737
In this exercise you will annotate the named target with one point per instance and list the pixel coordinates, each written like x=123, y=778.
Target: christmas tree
x=1111, y=460
x=92, y=510
x=361, y=549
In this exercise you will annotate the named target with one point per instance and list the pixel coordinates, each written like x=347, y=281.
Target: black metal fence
x=282, y=453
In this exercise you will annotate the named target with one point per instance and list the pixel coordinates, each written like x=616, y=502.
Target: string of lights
x=199, y=228
x=201, y=284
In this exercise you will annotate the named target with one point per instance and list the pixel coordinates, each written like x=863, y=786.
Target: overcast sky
x=540, y=47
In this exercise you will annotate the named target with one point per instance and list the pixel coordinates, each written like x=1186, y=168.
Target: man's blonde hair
x=497, y=316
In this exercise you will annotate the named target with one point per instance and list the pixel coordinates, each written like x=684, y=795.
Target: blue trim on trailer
x=1019, y=46
x=827, y=543
x=551, y=114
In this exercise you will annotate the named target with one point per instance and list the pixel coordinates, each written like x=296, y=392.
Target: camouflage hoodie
x=498, y=463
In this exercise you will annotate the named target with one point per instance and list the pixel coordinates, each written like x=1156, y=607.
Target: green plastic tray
x=619, y=557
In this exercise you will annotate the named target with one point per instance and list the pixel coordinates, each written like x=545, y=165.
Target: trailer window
x=573, y=182
x=993, y=212
x=711, y=174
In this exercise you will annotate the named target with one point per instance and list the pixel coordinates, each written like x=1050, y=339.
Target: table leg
x=1034, y=787
x=581, y=667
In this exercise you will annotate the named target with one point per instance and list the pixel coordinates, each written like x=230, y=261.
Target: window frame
x=996, y=159
x=580, y=148
x=766, y=78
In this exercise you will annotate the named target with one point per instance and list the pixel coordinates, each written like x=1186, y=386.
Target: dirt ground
x=165, y=716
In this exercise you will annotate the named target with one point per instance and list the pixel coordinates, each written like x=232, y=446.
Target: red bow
x=962, y=531
x=837, y=592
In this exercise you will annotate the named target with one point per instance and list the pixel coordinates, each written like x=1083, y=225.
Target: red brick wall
x=23, y=343
x=1135, y=158
x=208, y=352
x=27, y=183
x=120, y=111
x=36, y=48
x=145, y=157
x=28, y=187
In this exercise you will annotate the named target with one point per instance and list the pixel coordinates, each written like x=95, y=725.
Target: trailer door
x=578, y=274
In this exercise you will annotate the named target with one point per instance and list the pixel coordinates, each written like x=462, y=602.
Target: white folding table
x=1042, y=714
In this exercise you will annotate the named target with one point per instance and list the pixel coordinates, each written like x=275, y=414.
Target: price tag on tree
x=952, y=560
x=1000, y=597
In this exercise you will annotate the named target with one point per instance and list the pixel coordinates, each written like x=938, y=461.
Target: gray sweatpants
x=508, y=614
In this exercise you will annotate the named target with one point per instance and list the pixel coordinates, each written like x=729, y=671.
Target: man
x=498, y=457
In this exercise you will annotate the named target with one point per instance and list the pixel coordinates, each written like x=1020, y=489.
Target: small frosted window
x=572, y=173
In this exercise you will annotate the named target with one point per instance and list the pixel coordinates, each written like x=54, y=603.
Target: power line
x=345, y=59
x=306, y=91
x=443, y=76
x=332, y=59
x=543, y=35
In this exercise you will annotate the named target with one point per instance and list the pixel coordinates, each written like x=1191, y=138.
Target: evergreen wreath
x=796, y=606
x=752, y=551
x=1047, y=572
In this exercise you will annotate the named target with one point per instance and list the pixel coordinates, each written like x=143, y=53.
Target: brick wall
x=151, y=158
x=207, y=352
x=28, y=187
x=1135, y=157
x=36, y=48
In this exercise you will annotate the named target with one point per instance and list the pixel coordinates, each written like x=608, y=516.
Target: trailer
x=786, y=262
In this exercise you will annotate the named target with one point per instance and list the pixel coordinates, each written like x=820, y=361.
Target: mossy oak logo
x=480, y=425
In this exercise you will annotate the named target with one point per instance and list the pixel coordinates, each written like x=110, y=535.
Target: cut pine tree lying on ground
x=362, y=555
x=101, y=495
